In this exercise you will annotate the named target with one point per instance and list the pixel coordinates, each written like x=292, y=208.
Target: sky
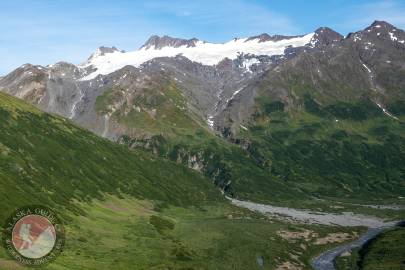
x=47, y=31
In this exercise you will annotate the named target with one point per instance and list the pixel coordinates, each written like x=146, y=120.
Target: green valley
x=264, y=152
x=127, y=209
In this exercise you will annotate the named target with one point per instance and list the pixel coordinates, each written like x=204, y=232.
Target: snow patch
x=386, y=112
x=366, y=67
x=248, y=63
x=393, y=37
x=75, y=103
x=233, y=95
x=245, y=128
x=210, y=121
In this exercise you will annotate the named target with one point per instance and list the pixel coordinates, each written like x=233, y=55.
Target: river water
x=325, y=261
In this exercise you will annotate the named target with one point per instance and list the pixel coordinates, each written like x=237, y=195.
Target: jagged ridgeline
x=265, y=117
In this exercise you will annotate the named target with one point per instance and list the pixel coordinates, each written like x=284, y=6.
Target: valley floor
x=327, y=260
x=124, y=233
x=130, y=210
x=127, y=233
x=347, y=219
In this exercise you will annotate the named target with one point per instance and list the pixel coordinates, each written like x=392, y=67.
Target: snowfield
x=203, y=52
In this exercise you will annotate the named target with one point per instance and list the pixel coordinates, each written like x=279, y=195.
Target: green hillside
x=127, y=209
x=340, y=150
x=47, y=159
x=175, y=133
x=337, y=150
x=385, y=252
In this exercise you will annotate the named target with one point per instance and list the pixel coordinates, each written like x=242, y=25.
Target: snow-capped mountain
x=195, y=50
x=219, y=82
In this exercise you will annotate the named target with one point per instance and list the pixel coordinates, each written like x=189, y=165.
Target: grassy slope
x=50, y=158
x=127, y=209
x=386, y=252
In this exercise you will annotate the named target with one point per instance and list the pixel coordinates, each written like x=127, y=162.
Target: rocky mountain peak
x=325, y=36
x=378, y=28
x=379, y=32
x=101, y=51
x=262, y=37
x=381, y=24
x=266, y=37
x=30, y=69
x=158, y=42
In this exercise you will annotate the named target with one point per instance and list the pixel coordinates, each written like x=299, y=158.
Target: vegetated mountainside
x=327, y=117
x=127, y=209
x=46, y=159
x=266, y=118
x=387, y=251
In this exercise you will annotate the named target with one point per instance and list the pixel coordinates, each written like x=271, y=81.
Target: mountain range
x=239, y=111
x=141, y=152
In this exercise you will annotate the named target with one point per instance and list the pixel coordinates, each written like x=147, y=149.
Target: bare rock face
x=27, y=82
x=157, y=42
x=266, y=37
x=324, y=36
x=103, y=51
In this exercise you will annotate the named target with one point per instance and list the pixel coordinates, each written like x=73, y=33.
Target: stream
x=324, y=261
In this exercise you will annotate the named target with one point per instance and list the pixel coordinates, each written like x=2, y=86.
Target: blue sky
x=47, y=31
